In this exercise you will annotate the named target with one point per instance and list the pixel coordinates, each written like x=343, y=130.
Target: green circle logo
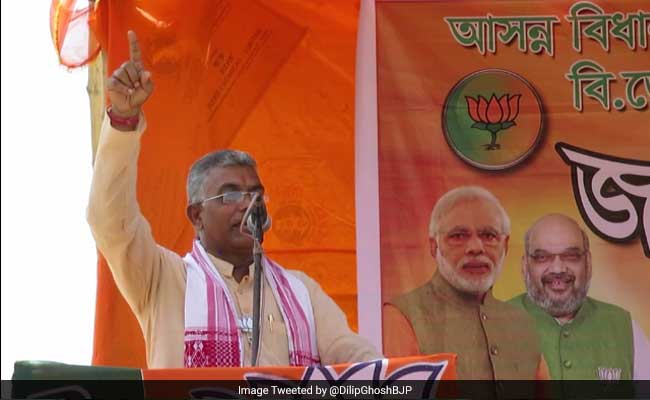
x=492, y=119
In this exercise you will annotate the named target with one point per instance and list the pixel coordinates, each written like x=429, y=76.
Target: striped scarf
x=212, y=338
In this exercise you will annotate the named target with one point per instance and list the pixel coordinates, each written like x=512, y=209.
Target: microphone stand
x=258, y=233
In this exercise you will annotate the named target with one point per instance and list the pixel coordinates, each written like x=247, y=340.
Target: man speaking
x=196, y=311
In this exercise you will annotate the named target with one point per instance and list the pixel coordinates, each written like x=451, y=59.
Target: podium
x=408, y=377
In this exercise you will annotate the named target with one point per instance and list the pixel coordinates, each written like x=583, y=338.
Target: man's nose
x=556, y=264
x=474, y=245
x=246, y=199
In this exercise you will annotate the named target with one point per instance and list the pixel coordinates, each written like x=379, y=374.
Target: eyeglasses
x=236, y=197
x=544, y=257
x=460, y=237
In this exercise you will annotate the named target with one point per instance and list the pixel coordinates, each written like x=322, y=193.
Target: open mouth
x=558, y=283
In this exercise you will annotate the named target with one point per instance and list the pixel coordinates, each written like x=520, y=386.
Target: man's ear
x=505, y=244
x=524, y=260
x=433, y=246
x=588, y=264
x=194, y=214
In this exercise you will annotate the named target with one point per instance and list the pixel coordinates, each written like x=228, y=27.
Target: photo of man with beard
x=455, y=311
x=581, y=338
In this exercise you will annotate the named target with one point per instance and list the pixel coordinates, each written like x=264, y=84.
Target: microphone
x=258, y=218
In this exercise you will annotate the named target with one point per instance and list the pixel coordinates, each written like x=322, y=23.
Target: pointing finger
x=134, y=49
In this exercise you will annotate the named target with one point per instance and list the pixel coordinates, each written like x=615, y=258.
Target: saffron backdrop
x=274, y=78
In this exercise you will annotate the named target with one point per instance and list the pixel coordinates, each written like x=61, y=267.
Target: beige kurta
x=152, y=278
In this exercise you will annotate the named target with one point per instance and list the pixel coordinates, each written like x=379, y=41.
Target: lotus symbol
x=494, y=115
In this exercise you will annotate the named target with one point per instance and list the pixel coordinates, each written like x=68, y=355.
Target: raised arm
x=121, y=232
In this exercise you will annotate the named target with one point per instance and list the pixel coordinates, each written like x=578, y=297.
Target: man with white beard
x=581, y=338
x=456, y=311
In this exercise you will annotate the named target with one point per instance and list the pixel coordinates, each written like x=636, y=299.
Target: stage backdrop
x=275, y=78
x=544, y=103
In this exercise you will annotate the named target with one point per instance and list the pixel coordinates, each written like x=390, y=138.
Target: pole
x=258, y=233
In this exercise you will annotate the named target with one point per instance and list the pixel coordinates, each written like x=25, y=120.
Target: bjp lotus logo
x=495, y=102
x=493, y=116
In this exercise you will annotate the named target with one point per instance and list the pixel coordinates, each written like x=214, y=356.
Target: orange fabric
x=236, y=374
x=226, y=382
x=118, y=340
x=74, y=43
x=274, y=78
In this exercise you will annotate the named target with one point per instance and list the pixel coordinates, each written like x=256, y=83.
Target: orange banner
x=408, y=377
x=544, y=103
x=420, y=65
x=274, y=78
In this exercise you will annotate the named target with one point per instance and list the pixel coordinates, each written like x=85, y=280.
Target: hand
x=130, y=85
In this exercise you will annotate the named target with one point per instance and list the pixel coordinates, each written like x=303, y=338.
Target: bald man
x=582, y=338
